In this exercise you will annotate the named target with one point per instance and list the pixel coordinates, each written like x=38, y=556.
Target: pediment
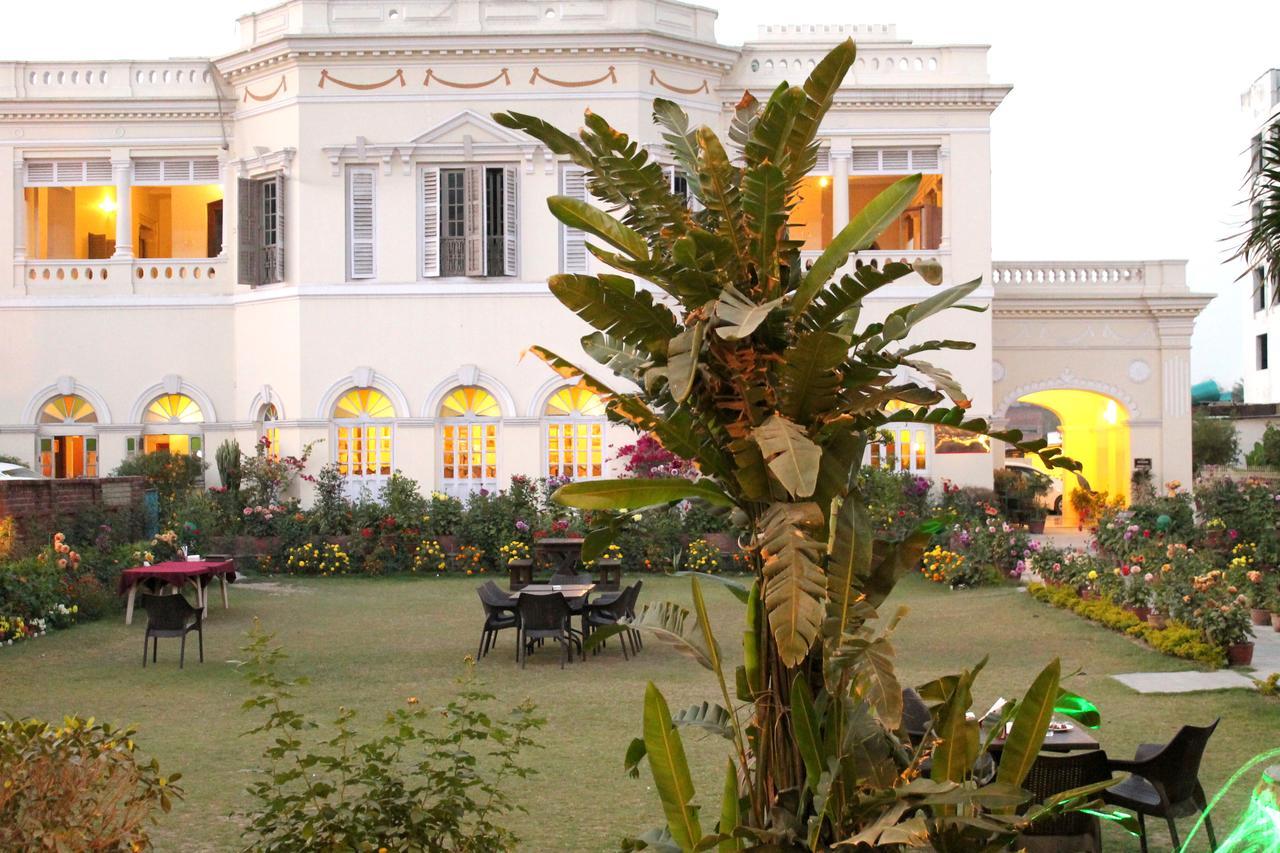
x=468, y=123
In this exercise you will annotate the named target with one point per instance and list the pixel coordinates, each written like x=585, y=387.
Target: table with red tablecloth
x=178, y=573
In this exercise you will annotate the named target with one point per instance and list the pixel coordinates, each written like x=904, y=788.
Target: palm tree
x=1260, y=241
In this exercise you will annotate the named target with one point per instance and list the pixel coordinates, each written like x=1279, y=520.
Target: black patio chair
x=637, y=638
x=545, y=617
x=499, y=614
x=1164, y=782
x=171, y=616
x=916, y=719
x=602, y=614
x=1053, y=774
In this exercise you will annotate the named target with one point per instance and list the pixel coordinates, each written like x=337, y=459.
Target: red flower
x=366, y=532
x=1146, y=534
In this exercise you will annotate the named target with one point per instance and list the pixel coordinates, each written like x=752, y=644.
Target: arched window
x=67, y=441
x=172, y=422
x=364, y=437
x=574, y=434
x=468, y=441
x=267, y=417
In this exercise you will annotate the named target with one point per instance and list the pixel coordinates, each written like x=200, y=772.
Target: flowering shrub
x=8, y=535
x=648, y=460
x=309, y=559
x=15, y=629
x=700, y=556
x=429, y=557
x=940, y=565
x=469, y=560
x=267, y=477
x=514, y=550
x=78, y=785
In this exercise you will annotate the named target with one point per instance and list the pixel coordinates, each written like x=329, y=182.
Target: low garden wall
x=36, y=506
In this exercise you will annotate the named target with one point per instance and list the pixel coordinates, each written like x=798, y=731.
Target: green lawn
x=369, y=644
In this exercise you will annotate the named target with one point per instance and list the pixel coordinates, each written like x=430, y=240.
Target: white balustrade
x=1068, y=272
x=116, y=79
x=123, y=275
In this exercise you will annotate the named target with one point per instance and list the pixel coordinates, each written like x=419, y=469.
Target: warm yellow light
x=1111, y=413
x=108, y=204
x=824, y=182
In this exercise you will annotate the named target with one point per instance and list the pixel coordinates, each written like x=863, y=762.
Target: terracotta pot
x=1087, y=594
x=1240, y=654
x=1035, y=525
x=1156, y=620
x=1141, y=612
x=1275, y=622
x=1259, y=616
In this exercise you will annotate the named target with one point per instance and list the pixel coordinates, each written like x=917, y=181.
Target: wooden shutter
x=275, y=257
x=430, y=222
x=249, y=233
x=361, y=243
x=510, y=219
x=176, y=171
x=69, y=173
x=473, y=218
x=573, y=242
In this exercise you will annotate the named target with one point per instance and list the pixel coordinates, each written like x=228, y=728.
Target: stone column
x=839, y=189
x=1175, y=404
x=19, y=212
x=123, y=172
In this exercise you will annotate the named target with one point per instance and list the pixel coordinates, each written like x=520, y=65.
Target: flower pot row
x=1265, y=617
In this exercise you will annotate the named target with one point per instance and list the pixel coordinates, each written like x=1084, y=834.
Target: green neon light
x=1258, y=829
x=1079, y=709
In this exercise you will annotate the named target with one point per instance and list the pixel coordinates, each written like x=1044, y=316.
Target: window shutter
x=69, y=173
x=924, y=159
x=511, y=219
x=823, y=164
x=361, y=243
x=473, y=219
x=176, y=171
x=249, y=234
x=894, y=160
x=147, y=171
x=430, y=222
x=573, y=242
x=897, y=161
x=275, y=254
x=865, y=160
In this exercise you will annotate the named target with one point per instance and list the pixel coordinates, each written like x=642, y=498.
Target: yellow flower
x=1093, y=575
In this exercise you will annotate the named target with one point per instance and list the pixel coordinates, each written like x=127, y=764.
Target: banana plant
x=764, y=373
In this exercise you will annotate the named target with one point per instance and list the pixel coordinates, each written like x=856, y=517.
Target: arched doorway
x=365, y=420
x=468, y=444
x=1091, y=428
x=67, y=440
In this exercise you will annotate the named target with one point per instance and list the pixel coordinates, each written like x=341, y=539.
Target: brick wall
x=34, y=504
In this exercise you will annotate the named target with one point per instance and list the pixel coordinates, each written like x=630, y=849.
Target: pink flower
x=248, y=511
x=1148, y=577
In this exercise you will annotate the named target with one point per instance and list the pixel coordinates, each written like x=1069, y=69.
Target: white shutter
x=511, y=219
x=865, y=160
x=573, y=242
x=176, y=171
x=361, y=233
x=430, y=196
x=823, y=164
x=68, y=173
x=473, y=218
x=895, y=161
x=924, y=159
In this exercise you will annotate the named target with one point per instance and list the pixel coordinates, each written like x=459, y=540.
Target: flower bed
x=1175, y=639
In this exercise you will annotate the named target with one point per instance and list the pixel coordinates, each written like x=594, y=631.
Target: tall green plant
x=227, y=458
x=765, y=375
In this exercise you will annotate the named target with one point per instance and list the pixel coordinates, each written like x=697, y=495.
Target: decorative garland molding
x=282, y=86
x=431, y=75
x=654, y=78
x=1068, y=380
x=363, y=87
x=611, y=75
x=272, y=161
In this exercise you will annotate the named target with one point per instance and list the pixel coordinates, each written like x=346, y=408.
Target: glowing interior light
x=1111, y=413
x=108, y=204
x=823, y=182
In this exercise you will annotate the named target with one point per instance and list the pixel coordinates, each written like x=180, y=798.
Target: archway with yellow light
x=1093, y=429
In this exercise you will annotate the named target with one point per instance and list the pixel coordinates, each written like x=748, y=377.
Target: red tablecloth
x=176, y=573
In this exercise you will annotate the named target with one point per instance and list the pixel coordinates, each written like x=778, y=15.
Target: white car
x=1051, y=500
x=10, y=471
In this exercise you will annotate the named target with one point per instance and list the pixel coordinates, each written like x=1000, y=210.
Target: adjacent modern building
x=323, y=235
x=1261, y=106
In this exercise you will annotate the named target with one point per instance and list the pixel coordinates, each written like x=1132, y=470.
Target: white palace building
x=324, y=235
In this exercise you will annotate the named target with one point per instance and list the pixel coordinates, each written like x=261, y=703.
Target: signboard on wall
x=1142, y=463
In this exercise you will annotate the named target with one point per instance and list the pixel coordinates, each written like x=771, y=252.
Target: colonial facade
x=324, y=235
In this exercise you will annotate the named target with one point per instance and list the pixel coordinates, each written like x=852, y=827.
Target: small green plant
x=1214, y=441
x=77, y=785
x=1269, y=686
x=227, y=458
x=410, y=787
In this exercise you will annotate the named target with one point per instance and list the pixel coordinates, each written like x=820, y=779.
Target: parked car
x=10, y=471
x=1052, y=499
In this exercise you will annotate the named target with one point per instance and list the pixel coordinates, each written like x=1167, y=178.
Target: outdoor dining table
x=575, y=594
x=1074, y=739
x=178, y=573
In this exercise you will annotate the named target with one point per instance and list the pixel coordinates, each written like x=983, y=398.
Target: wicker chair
x=544, y=617
x=171, y=616
x=1164, y=782
x=601, y=614
x=499, y=614
x=1053, y=774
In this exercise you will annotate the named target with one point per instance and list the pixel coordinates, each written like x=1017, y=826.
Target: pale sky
x=1123, y=138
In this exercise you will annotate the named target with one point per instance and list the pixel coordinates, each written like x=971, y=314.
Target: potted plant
x=1259, y=603
x=1226, y=624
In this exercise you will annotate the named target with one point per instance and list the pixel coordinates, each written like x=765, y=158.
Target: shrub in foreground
x=78, y=785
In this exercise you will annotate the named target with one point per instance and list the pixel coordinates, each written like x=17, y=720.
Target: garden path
x=1266, y=660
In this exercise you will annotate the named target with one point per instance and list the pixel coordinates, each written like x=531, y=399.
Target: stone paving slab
x=1183, y=682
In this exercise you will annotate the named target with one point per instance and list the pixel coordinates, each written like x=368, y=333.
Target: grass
x=370, y=644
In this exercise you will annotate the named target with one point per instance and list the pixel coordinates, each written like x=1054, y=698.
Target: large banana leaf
x=680, y=140
x=707, y=716
x=671, y=624
x=806, y=729
x=616, y=354
x=847, y=293
x=769, y=139
x=683, y=352
x=808, y=378
x=859, y=234
x=568, y=370
x=729, y=806
x=791, y=455
x=547, y=133
x=957, y=748
x=820, y=89
x=793, y=579
x=900, y=323
x=745, y=115
x=1030, y=725
x=764, y=201
x=877, y=682
x=580, y=214
x=719, y=180
x=636, y=493
x=670, y=770
x=849, y=552
x=678, y=431
x=613, y=305
x=740, y=315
